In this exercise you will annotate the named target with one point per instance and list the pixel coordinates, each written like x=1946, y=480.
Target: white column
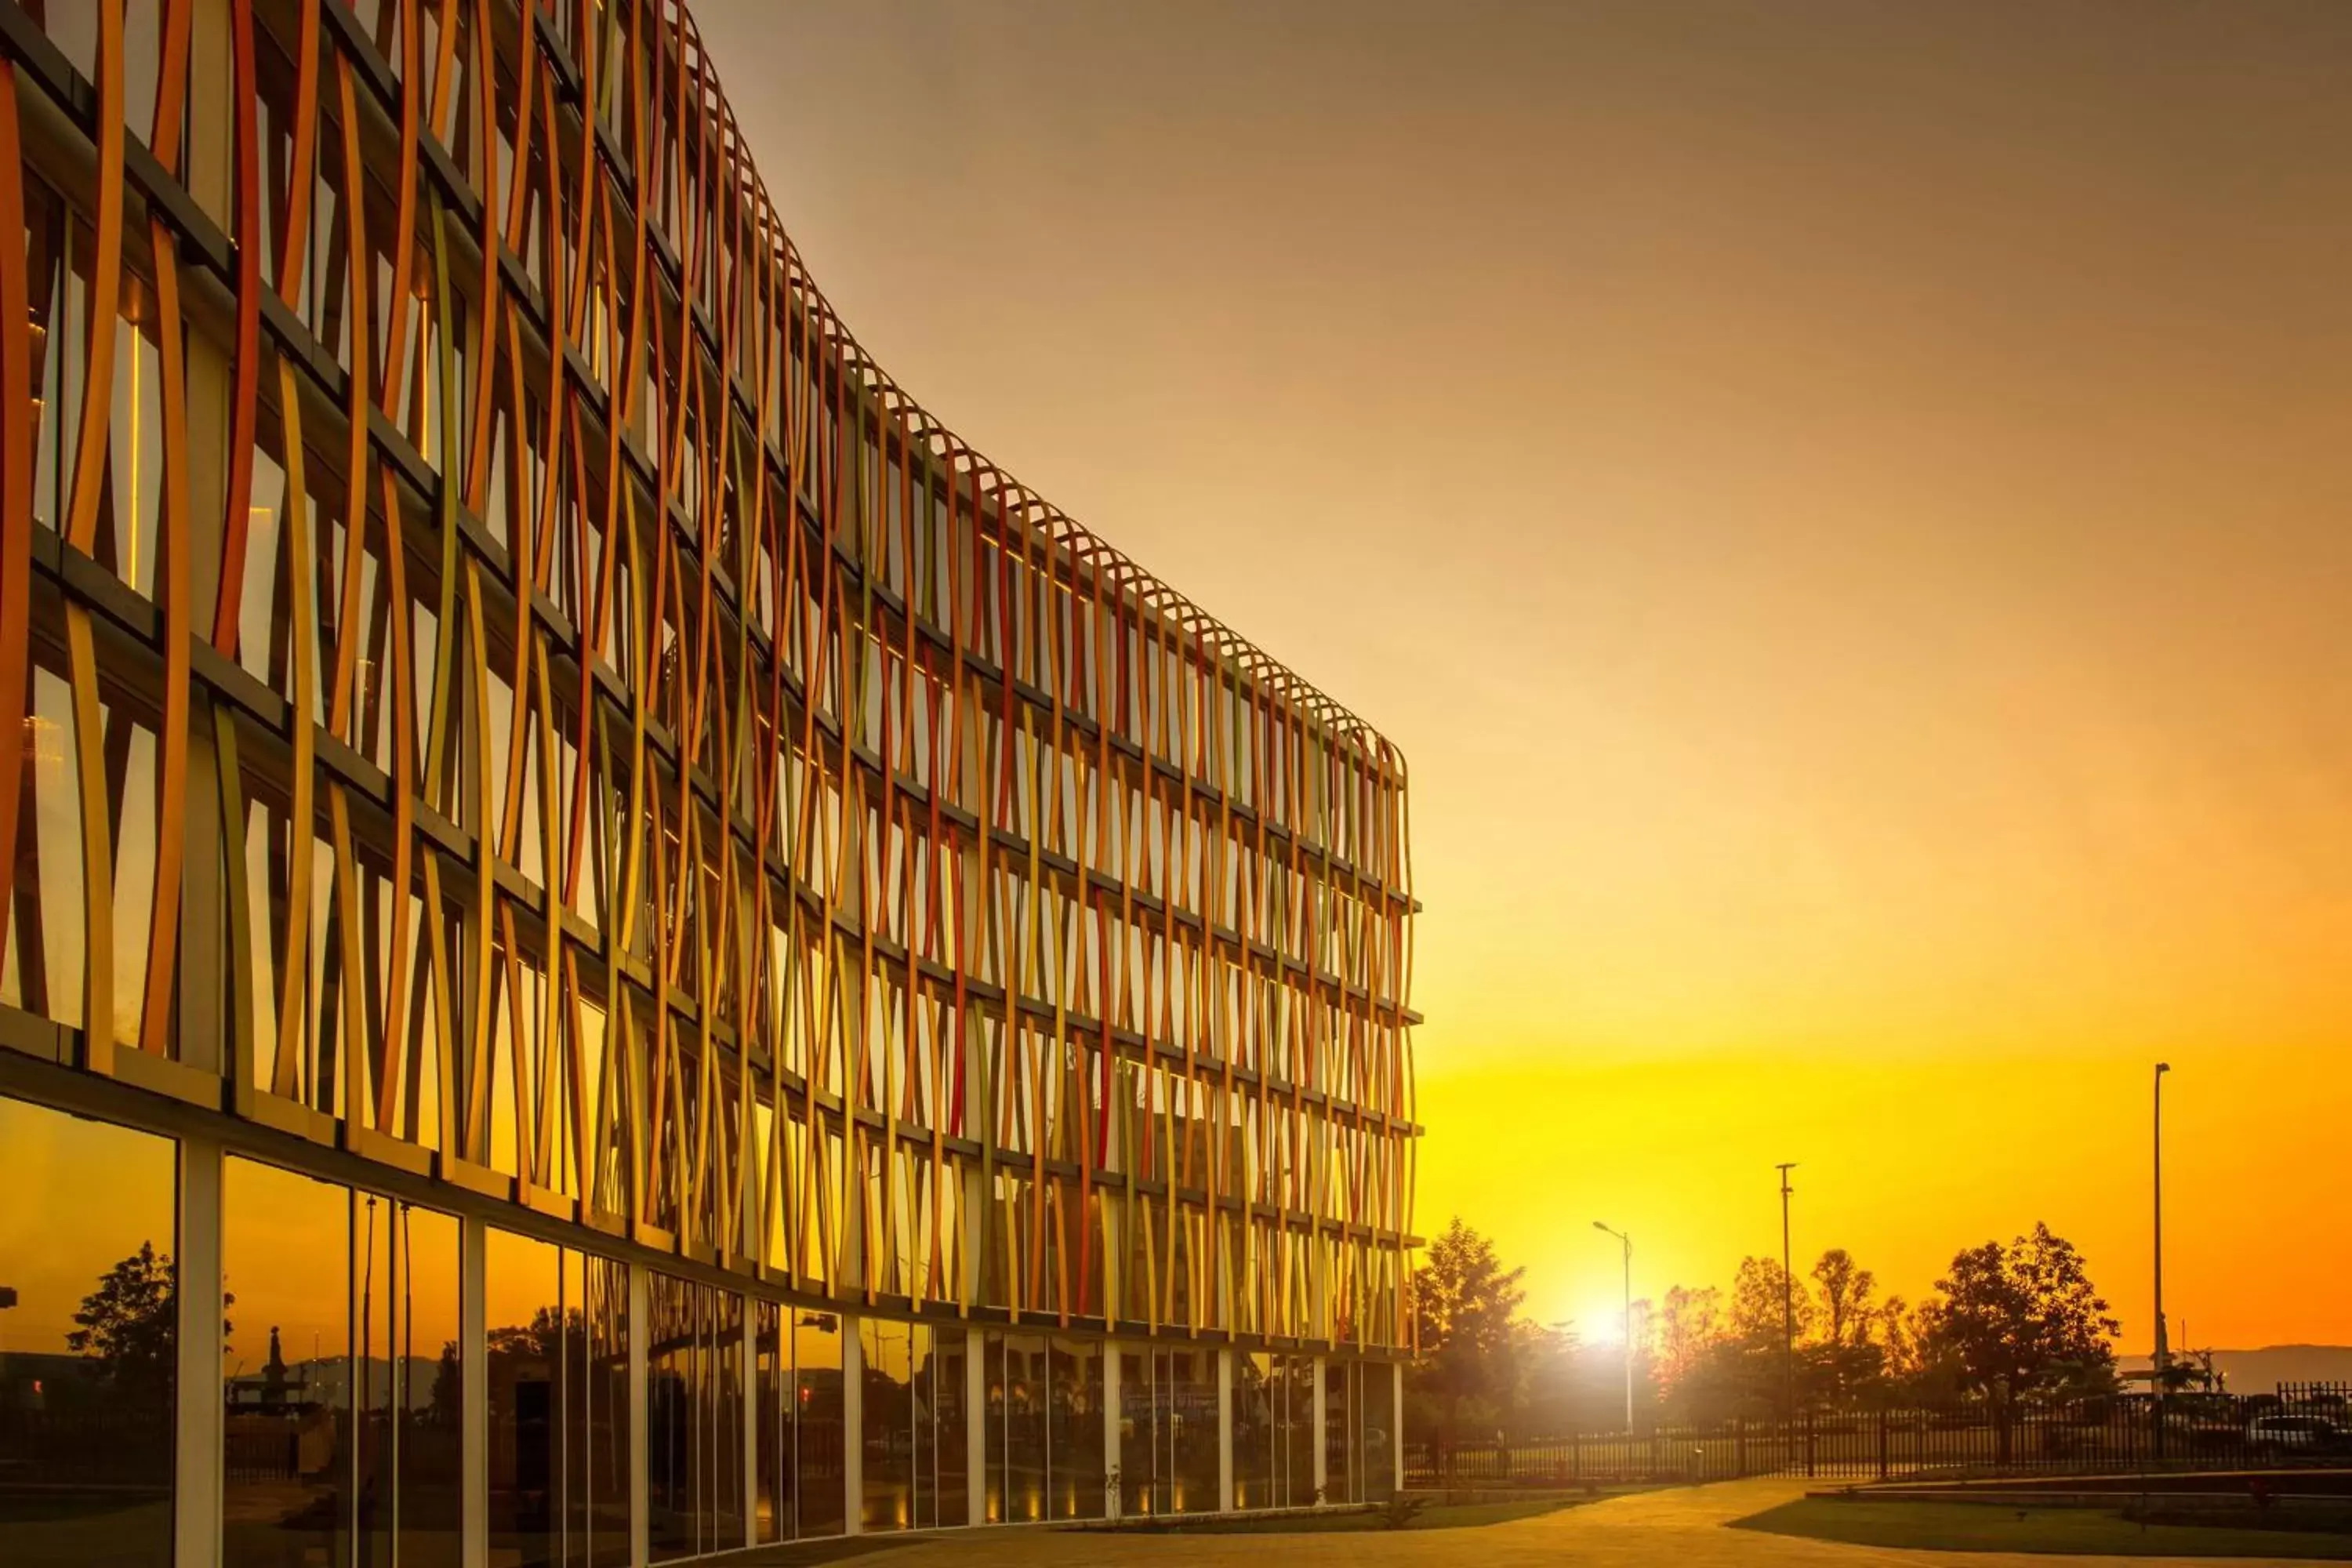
x=474, y=1381
x=197, y=1441
x=1110, y=1428
x=640, y=1440
x=752, y=1419
x=1225, y=1430
x=1322, y=1453
x=853, y=1427
x=975, y=1425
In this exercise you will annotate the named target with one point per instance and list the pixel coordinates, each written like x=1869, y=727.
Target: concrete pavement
x=1680, y=1528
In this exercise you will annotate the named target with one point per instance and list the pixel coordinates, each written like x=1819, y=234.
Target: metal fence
x=2190, y=1432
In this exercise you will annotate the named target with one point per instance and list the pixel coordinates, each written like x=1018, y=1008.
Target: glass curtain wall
x=822, y=1486
x=912, y=1414
x=1168, y=1431
x=773, y=1516
x=1044, y=1427
x=1074, y=1430
x=1254, y=1445
x=949, y=1354
x=1379, y=1427
x=1013, y=1377
x=407, y=1391
x=1274, y=1430
x=341, y=1432
x=694, y=1407
x=558, y=1345
x=890, y=1443
x=1293, y=1480
x=1343, y=1431
x=286, y=1486
x=89, y=1352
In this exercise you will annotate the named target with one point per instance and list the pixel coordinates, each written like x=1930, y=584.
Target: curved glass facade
x=799, y=989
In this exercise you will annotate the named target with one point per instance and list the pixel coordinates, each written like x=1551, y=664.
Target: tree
x=1845, y=1289
x=1464, y=1301
x=1688, y=1323
x=448, y=1386
x=1757, y=1293
x=2022, y=1318
x=130, y=1323
x=1894, y=1326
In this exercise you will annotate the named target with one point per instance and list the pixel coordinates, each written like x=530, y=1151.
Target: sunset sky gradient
x=1843, y=506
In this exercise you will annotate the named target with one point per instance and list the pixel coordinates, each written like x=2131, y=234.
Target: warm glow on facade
x=646, y=952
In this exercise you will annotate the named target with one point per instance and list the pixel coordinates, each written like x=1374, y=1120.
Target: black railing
x=2091, y=1437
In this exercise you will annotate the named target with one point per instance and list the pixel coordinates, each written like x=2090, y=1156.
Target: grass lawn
x=1979, y=1527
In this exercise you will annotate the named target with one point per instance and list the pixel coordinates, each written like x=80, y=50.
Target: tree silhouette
x=2022, y=1318
x=1845, y=1291
x=130, y=1325
x=1757, y=1293
x=1464, y=1301
x=1688, y=1327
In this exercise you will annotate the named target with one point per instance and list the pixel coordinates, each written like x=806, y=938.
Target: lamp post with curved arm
x=1628, y=1243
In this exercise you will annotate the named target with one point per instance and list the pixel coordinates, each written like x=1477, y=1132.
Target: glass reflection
x=887, y=1424
x=1044, y=1427
x=772, y=1514
x=89, y=1352
x=1014, y=1373
x=822, y=1482
x=949, y=1501
x=1253, y=1430
x=557, y=1341
x=694, y=1395
x=1380, y=1426
x=1168, y=1431
x=1075, y=1429
x=285, y=1497
x=1343, y=1434
x=1294, y=1477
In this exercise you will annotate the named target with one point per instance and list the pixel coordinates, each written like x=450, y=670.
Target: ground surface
x=1979, y=1528
x=1680, y=1527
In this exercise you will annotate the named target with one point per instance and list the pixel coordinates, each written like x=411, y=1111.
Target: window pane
x=603, y=1427
x=1192, y=1422
x=1254, y=1434
x=429, y=1387
x=1341, y=1436
x=772, y=1507
x=285, y=1245
x=1074, y=1405
x=90, y=1353
x=821, y=1485
x=952, y=1498
x=888, y=1424
x=523, y=1315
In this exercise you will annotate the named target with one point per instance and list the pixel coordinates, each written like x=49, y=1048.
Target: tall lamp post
x=1628, y=1243
x=1787, y=1305
x=2163, y=1358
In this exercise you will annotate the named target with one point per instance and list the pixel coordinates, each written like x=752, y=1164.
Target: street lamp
x=1788, y=1304
x=1628, y=1242
x=2163, y=1357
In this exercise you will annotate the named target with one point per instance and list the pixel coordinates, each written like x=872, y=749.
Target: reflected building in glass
x=617, y=947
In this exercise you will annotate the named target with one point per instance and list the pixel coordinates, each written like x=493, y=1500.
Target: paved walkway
x=1680, y=1527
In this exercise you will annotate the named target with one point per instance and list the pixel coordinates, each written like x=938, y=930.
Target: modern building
x=617, y=948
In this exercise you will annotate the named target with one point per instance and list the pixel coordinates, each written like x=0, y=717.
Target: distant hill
x=2260, y=1370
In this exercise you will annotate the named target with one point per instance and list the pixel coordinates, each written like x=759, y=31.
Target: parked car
x=2300, y=1434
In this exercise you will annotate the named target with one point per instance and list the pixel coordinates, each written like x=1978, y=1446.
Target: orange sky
x=1842, y=504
